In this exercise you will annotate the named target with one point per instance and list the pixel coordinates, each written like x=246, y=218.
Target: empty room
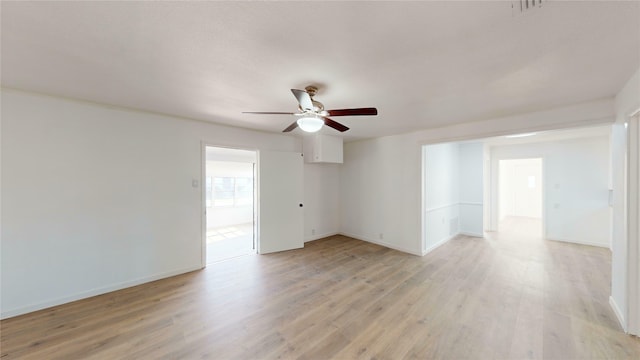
x=320, y=180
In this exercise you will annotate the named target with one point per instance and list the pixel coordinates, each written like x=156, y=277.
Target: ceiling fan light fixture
x=313, y=115
x=310, y=124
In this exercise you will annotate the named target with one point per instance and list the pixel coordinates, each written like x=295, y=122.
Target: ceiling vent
x=525, y=5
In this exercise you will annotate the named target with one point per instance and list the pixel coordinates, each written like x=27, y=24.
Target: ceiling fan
x=312, y=114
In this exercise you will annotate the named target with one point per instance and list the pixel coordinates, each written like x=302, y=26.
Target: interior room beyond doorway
x=229, y=201
x=520, y=196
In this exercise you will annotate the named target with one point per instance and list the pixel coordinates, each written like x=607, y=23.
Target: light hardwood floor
x=505, y=297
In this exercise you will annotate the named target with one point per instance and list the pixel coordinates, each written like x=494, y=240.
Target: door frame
x=203, y=194
x=633, y=223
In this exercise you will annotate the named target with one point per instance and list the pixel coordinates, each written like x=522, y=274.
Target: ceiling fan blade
x=291, y=127
x=303, y=99
x=268, y=112
x=334, y=124
x=353, y=112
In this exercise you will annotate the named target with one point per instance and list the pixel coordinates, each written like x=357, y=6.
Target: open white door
x=280, y=216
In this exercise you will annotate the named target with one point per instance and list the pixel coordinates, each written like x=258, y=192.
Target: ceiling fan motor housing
x=311, y=90
x=317, y=105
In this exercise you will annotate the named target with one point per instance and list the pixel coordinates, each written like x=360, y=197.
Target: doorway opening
x=520, y=196
x=229, y=198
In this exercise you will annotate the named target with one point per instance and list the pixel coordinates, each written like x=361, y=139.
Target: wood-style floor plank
x=509, y=296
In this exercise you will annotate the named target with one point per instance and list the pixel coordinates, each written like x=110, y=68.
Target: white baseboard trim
x=318, y=237
x=469, y=233
x=616, y=310
x=91, y=293
x=603, y=245
x=438, y=244
x=382, y=243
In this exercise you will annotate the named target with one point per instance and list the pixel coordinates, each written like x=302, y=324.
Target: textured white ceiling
x=422, y=64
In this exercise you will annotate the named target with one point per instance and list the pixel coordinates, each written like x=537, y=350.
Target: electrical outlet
x=313, y=231
x=381, y=236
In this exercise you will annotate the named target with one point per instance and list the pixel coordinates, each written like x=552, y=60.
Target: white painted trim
x=203, y=205
x=486, y=188
x=616, y=310
x=438, y=244
x=608, y=119
x=470, y=203
x=543, y=200
x=320, y=236
x=564, y=117
x=381, y=243
x=423, y=203
x=94, y=292
x=633, y=226
x=588, y=243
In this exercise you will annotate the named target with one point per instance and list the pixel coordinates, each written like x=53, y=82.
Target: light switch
x=194, y=183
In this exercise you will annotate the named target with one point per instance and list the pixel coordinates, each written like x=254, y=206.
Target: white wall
x=626, y=101
x=453, y=192
x=110, y=220
x=618, y=225
x=633, y=227
x=381, y=178
x=218, y=216
x=471, y=185
x=381, y=192
x=441, y=194
x=576, y=200
x=99, y=198
x=321, y=200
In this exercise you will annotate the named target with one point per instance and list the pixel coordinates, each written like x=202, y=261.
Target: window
x=243, y=191
x=223, y=190
x=229, y=191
